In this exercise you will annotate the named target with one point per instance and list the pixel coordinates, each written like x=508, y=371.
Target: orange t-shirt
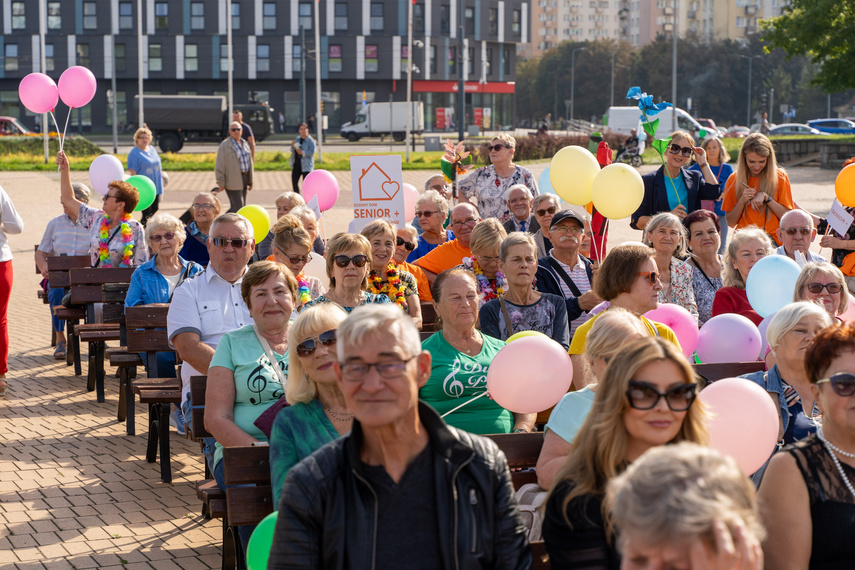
x=763, y=219
x=421, y=280
x=442, y=257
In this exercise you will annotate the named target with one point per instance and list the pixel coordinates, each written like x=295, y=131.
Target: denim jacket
x=307, y=160
x=772, y=384
x=149, y=286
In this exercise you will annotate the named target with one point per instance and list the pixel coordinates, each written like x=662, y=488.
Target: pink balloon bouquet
x=729, y=338
x=77, y=86
x=38, y=93
x=321, y=183
x=681, y=322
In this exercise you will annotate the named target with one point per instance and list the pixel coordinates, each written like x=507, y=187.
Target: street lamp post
x=573, y=80
x=409, y=76
x=750, y=59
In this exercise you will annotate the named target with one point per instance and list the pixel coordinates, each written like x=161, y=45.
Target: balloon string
x=590, y=220
x=323, y=229
x=827, y=229
x=57, y=133
x=482, y=394
x=62, y=139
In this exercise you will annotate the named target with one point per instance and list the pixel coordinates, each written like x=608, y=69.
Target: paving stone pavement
x=75, y=491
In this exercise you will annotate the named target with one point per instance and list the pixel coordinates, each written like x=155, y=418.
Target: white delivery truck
x=376, y=119
x=623, y=119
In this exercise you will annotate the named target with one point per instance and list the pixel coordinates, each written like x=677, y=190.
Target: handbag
x=264, y=422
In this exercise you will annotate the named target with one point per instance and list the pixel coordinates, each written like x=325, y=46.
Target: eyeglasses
x=438, y=187
x=497, y=147
x=793, y=231
x=483, y=259
x=105, y=197
x=357, y=371
x=549, y=210
x=167, y=236
x=343, y=260
x=295, y=259
x=676, y=149
x=235, y=243
x=466, y=222
x=308, y=346
x=426, y=214
x=575, y=230
x=233, y=130
x=818, y=287
x=402, y=242
x=203, y=206
x=652, y=276
x=843, y=384
x=643, y=396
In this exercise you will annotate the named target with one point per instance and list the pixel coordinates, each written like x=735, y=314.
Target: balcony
x=750, y=10
x=692, y=14
x=668, y=27
x=669, y=11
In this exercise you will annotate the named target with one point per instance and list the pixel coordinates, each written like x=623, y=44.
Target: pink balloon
x=762, y=328
x=743, y=421
x=411, y=196
x=38, y=93
x=321, y=183
x=729, y=338
x=849, y=314
x=681, y=322
x=529, y=375
x=77, y=86
x=599, y=308
x=103, y=170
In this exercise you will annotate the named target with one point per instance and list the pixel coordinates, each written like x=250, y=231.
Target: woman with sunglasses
x=646, y=398
x=825, y=284
x=807, y=496
x=487, y=237
x=666, y=236
x=674, y=188
x=759, y=192
x=204, y=210
x=385, y=277
x=292, y=247
x=404, y=244
x=460, y=359
x=317, y=413
x=431, y=212
x=347, y=261
x=747, y=247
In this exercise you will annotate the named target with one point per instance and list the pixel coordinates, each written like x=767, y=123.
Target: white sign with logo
x=838, y=218
x=378, y=190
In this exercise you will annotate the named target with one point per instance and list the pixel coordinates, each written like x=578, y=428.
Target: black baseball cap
x=562, y=215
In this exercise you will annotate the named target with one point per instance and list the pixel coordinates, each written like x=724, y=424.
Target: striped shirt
x=243, y=154
x=580, y=277
x=64, y=237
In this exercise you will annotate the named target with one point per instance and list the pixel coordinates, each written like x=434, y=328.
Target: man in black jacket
x=403, y=489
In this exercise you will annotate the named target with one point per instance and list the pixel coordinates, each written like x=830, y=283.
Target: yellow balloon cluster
x=844, y=186
x=572, y=173
x=617, y=191
x=258, y=218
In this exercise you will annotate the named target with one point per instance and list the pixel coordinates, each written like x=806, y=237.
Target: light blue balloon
x=544, y=184
x=771, y=283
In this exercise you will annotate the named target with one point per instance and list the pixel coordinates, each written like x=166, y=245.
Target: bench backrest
x=198, y=388
x=247, y=466
x=86, y=282
x=60, y=265
x=521, y=451
x=146, y=332
x=430, y=321
x=719, y=370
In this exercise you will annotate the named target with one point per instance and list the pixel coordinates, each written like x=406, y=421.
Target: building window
x=418, y=18
x=191, y=57
x=126, y=16
x=161, y=16
x=377, y=23
x=515, y=23
x=494, y=21
x=488, y=62
x=235, y=16
x=224, y=58
x=197, y=16
x=305, y=11
x=432, y=63
x=469, y=18
x=90, y=17
x=269, y=12
x=262, y=57
x=49, y=66
x=452, y=60
x=9, y=104
x=405, y=59
x=506, y=61
x=371, y=62
x=11, y=52
x=335, y=58
x=444, y=19
x=341, y=16
x=155, y=57
x=54, y=20
x=19, y=19
x=296, y=58
x=470, y=53
x=83, y=55
x=119, y=56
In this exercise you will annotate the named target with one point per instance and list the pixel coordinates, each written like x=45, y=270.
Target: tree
x=821, y=30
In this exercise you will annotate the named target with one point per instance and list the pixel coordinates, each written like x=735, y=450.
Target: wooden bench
x=43, y=295
x=719, y=370
x=430, y=320
x=213, y=498
x=58, y=277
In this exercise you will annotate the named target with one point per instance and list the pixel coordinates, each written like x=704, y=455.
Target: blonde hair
x=487, y=236
x=378, y=228
x=731, y=276
x=612, y=330
x=312, y=321
x=293, y=198
x=509, y=141
x=680, y=134
x=759, y=144
x=288, y=230
x=143, y=130
x=668, y=220
x=810, y=270
x=216, y=203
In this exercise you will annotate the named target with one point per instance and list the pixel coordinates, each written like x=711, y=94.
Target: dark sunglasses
x=308, y=346
x=497, y=147
x=818, y=287
x=343, y=260
x=295, y=259
x=169, y=235
x=685, y=150
x=843, y=384
x=652, y=276
x=793, y=231
x=233, y=130
x=643, y=396
x=409, y=246
x=426, y=214
x=549, y=210
x=223, y=242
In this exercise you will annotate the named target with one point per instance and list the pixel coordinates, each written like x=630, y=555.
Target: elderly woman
x=404, y=244
x=310, y=223
x=285, y=202
x=747, y=247
x=807, y=496
x=523, y=308
x=667, y=237
x=544, y=208
x=487, y=238
x=704, y=244
x=115, y=238
x=348, y=257
x=317, y=413
x=431, y=213
x=609, y=334
x=646, y=399
x=823, y=283
x=292, y=247
x=143, y=159
x=686, y=506
x=718, y=158
x=673, y=187
x=205, y=209
x=460, y=359
x=385, y=277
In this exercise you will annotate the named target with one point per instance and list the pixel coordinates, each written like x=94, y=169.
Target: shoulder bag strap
x=274, y=362
x=566, y=278
x=695, y=263
x=506, y=315
x=181, y=279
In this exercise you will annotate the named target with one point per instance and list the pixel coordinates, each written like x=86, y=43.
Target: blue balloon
x=544, y=184
x=771, y=283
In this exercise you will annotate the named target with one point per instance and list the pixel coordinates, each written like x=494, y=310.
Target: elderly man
x=403, y=489
x=234, y=167
x=209, y=304
x=450, y=254
x=565, y=272
x=796, y=232
x=518, y=199
x=246, y=132
x=437, y=182
x=489, y=184
x=544, y=207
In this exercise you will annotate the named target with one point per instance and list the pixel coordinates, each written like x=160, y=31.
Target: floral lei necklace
x=104, y=242
x=304, y=293
x=485, y=291
x=393, y=288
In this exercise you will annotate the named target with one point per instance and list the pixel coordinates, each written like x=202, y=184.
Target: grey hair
x=522, y=187
x=437, y=200
x=385, y=320
x=429, y=178
x=232, y=218
x=731, y=277
x=516, y=238
x=81, y=192
x=810, y=270
x=543, y=197
x=668, y=220
x=611, y=331
x=791, y=213
x=292, y=197
x=303, y=211
x=788, y=317
x=168, y=222
x=410, y=229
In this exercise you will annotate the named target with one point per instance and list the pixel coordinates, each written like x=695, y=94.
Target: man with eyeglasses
x=437, y=182
x=519, y=199
x=403, y=489
x=796, y=233
x=544, y=207
x=234, y=167
x=209, y=304
x=464, y=216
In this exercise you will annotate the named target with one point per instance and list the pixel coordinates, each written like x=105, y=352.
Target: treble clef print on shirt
x=472, y=373
x=260, y=377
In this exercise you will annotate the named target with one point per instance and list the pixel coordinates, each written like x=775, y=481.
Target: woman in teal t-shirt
x=460, y=358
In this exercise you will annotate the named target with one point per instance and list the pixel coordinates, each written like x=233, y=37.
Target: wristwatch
x=767, y=199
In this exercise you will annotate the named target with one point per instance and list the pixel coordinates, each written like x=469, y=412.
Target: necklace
x=832, y=446
x=304, y=294
x=466, y=348
x=104, y=239
x=392, y=288
x=485, y=290
x=829, y=446
x=345, y=417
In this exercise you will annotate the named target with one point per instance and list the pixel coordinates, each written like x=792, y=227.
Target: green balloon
x=258, y=549
x=146, y=189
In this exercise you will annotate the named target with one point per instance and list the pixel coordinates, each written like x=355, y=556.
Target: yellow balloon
x=521, y=334
x=617, y=191
x=258, y=218
x=572, y=172
x=844, y=186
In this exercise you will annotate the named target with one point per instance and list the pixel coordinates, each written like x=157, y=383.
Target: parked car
x=10, y=126
x=737, y=132
x=790, y=129
x=833, y=126
x=708, y=124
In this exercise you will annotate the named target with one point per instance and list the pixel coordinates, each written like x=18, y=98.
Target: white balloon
x=317, y=267
x=103, y=170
